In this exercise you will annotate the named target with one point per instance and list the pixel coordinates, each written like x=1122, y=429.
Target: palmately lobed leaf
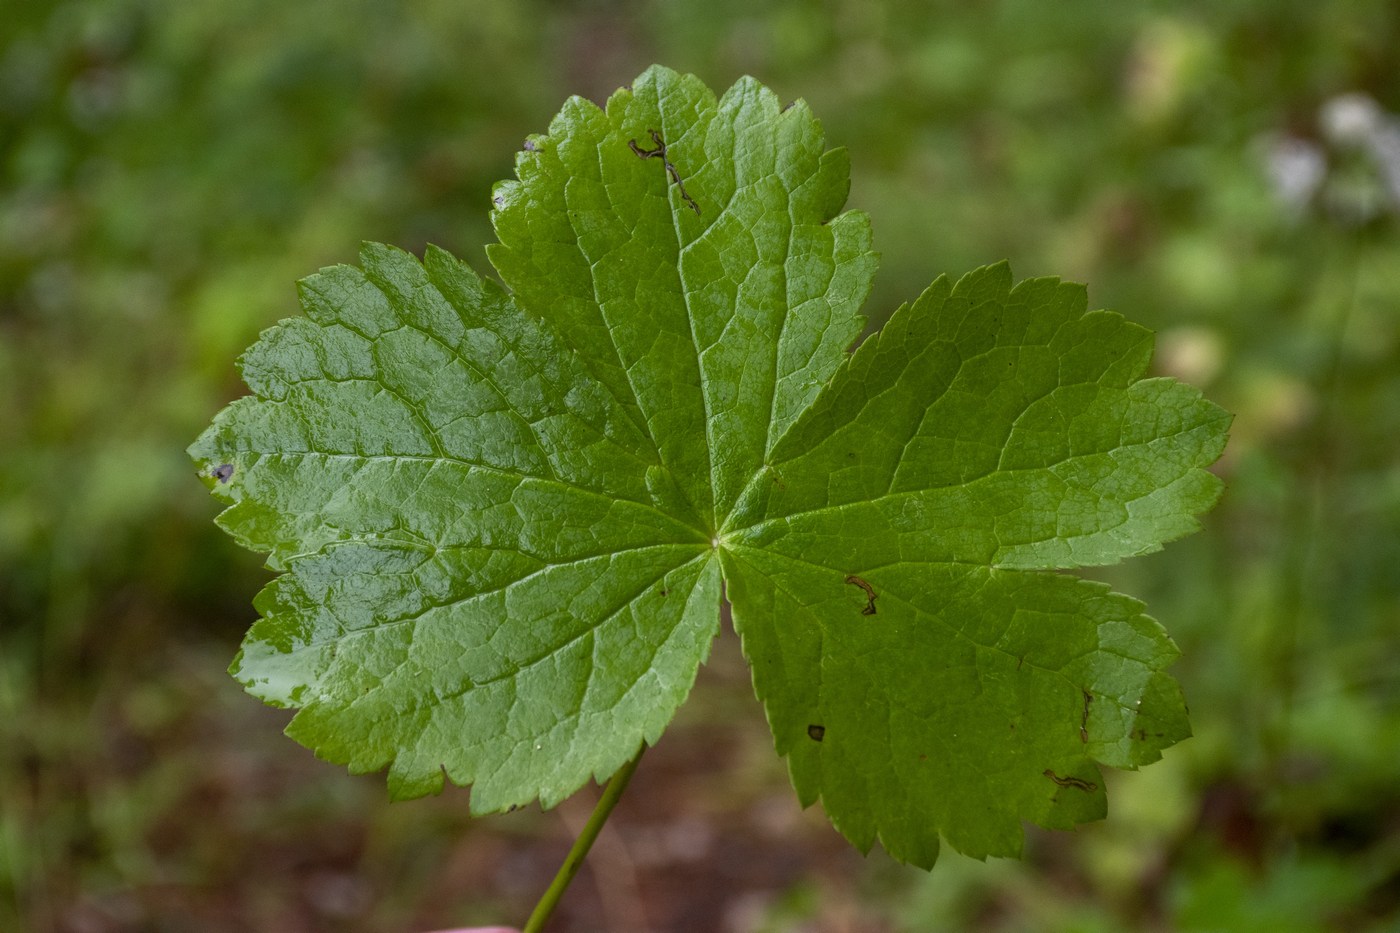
x=506, y=518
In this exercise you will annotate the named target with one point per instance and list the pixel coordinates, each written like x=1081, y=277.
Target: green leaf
x=881, y=577
x=506, y=519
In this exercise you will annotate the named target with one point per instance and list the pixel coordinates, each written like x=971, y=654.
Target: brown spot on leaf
x=816, y=733
x=870, y=596
x=223, y=472
x=1077, y=783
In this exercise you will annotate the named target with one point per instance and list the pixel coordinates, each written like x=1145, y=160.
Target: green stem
x=611, y=794
x=1304, y=566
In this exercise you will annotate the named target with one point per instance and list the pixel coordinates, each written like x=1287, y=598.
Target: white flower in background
x=1296, y=168
x=1350, y=119
x=1361, y=178
x=1384, y=145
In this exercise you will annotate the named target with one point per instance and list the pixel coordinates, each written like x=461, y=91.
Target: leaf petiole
x=611, y=794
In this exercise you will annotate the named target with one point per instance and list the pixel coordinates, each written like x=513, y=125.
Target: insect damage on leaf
x=870, y=596
x=505, y=518
x=660, y=153
x=1077, y=783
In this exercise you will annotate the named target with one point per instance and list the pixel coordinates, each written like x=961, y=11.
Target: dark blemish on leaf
x=1019, y=662
x=512, y=808
x=665, y=592
x=1084, y=719
x=1013, y=727
x=788, y=106
x=1077, y=783
x=223, y=472
x=923, y=758
x=816, y=733
x=870, y=596
x=660, y=153
x=498, y=201
x=530, y=146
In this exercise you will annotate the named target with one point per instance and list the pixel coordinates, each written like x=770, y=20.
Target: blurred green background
x=1225, y=173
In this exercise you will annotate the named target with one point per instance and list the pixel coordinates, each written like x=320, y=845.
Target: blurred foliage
x=168, y=169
